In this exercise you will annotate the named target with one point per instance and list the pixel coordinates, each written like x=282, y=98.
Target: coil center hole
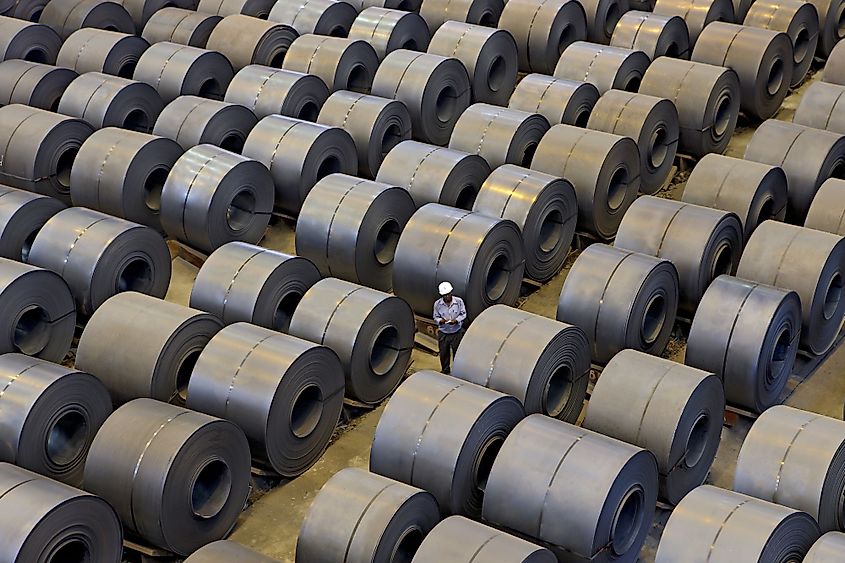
x=277, y=58
x=466, y=197
x=486, y=457
x=832, y=296
x=775, y=80
x=210, y=88
x=557, y=392
x=73, y=551
x=722, y=116
x=496, y=280
x=35, y=55
x=338, y=31
x=446, y=103
x=27, y=245
x=800, y=45
x=137, y=120
x=385, y=350
x=284, y=310
x=309, y=111
x=127, y=69
x=653, y=320
x=497, y=74
x=486, y=19
x=722, y=261
x=136, y=275
x=840, y=22
x=410, y=45
x=767, y=211
x=779, y=353
x=211, y=488
x=551, y=230
x=233, y=142
x=392, y=137
x=153, y=186
x=66, y=438
x=329, y=165
x=627, y=521
x=183, y=374
x=387, y=237
x=32, y=331
x=658, y=147
x=528, y=154
x=359, y=79
x=633, y=83
x=672, y=50
x=611, y=18
x=697, y=440
x=564, y=38
x=582, y=117
x=240, y=211
x=63, y=166
x=617, y=188
x=306, y=411
x=407, y=546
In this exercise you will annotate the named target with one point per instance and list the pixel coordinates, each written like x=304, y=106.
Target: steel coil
x=827, y=212
x=22, y=214
x=67, y=16
x=375, y=124
x=33, y=84
x=193, y=121
x=37, y=310
x=482, y=257
x=433, y=174
x=652, y=122
x=542, y=362
x=387, y=30
x=349, y=228
x=99, y=256
x=809, y=262
x=828, y=549
x=177, y=478
x=245, y=40
x=543, y=206
x=122, y=173
x=799, y=20
x=543, y=29
x=343, y=64
x=255, y=8
x=99, y=50
x=747, y=334
x=359, y=516
x=241, y=282
x=272, y=91
x=834, y=68
x=698, y=14
x=453, y=429
x=489, y=55
x=602, y=18
x=29, y=41
x=477, y=12
x=556, y=99
x=706, y=97
x=755, y=192
x=371, y=332
x=142, y=10
x=808, y=156
x=822, y=107
x=654, y=34
x=178, y=25
x=604, y=67
x=403, y=5
x=50, y=416
x=178, y=70
x=436, y=90
x=28, y=10
x=44, y=520
x=587, y=496
x=603, y=168
x=299, y=154
x=621, y=300
x=322, y=17
x=830, y=13
x=226, y=551
x=103, y=100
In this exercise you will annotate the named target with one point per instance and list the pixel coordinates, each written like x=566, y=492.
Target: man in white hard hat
x=449, y=314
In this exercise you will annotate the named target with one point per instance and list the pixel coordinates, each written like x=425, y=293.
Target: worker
x=449, y=314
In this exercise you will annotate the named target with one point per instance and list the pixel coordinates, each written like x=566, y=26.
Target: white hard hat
x=445, y=288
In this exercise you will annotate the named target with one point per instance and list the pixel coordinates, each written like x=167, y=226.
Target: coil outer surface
x=246, y=40
x=323, y=17
x=830, y=30
x=270, y=91
x=33, y=84
x=67, y=16
x=834, y=68
x=343, y=64
x=827, y=549
x=178, y=25
x=100, y=50
x=255, y=8
x=821, y=107
x=224, y=551
x=603, y=66
x=827, y=212
x=557, y=99
x=698, y=14
x=603, y=17
x=103, y=100
x=178, y=70
x=656, y=35
x=799, y=20
x=387, y=30
x=22, y=214
x=28, y=41
x=193, y=121
x=477, y=12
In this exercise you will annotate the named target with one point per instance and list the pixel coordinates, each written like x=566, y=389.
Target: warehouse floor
x=271, y=524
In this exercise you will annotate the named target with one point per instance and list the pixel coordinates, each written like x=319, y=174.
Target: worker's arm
x=437, y=317
x=462, y=312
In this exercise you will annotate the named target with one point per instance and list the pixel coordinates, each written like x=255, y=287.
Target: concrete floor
x=271, y=524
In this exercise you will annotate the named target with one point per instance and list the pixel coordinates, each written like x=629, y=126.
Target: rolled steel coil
x=22, y=214
x=822, y=107
x=654, y=34
x=830, y=25
x=177, y=478
x=322, y=17
x=245, y=40
x=809, y=262
x=799, y=20
x=375, y=124
x=587, y=496
x=489, y=55
x=349, y=228
x=707, y=99
x=100, y=50
x=255, y=8
x=543, y=29
x=544, y=208
x=542, y=362
x=193, y=121
x=602, y=18
x=103, y=100
x=747, y=334
x=453, y=429
x=755, y=192
x=29, y=41
x=808, y=156
x=371, y=332
x=99, y=256
x=33, y=84
x=477, y=12
x=828, y=549
x=621, y=300
x=178, y=70
x=141, y=346
x=213, y=196
x=556, y=99
x=827, y=212
x=834, y=68
x=299, y=154
x=403, y=5
x=482, y=257
x=241, y=282
x=652, y=122
x=50, y=416
x=387, y=30
x=603, y=168
x=703, y=243
x=698, y=14
x=436, y=90
x=44, y=520
x=722, y=526
x=122, y=173
x=226, y=551
x=39, y=313
x=433, y=174
x=674, y=411
x=28, y=10
x=461, y=540
x=285, y=393
x=361, y=516
x=604, y=67
x=178, y=25
x=142, y=10
x=343, y=64
x=761, y=58
x=67, y=16
x=273, y=91
x=39, y=148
